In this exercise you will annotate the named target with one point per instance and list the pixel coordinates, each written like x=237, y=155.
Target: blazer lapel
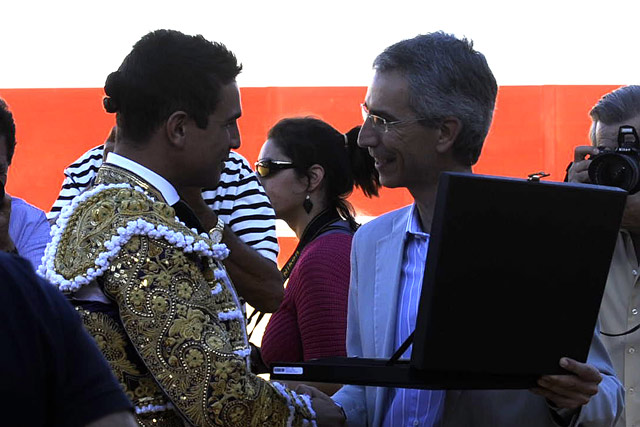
x=389, y=251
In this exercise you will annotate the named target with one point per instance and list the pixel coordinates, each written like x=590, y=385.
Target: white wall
x=74, y=43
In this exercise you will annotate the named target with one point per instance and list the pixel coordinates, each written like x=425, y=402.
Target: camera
x=619, y=167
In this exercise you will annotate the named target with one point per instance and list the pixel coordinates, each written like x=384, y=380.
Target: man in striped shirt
x=239, y=200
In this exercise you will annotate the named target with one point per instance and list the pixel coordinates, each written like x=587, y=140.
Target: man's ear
x=449, y=130
x=315, y=174
x=176, y=129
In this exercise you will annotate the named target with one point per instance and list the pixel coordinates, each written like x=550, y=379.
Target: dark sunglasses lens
x=262, y=170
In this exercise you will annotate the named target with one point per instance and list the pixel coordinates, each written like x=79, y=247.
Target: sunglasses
x=267, y=167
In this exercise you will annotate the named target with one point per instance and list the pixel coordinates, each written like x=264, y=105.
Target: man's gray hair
x=617, y=106
x=446, y=78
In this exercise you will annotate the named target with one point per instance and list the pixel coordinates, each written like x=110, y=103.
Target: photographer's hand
x=579, y=170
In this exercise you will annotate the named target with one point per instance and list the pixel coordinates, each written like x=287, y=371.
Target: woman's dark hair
x=308, y=141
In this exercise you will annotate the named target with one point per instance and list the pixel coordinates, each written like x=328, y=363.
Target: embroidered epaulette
x=91, y=231
x=177, y=312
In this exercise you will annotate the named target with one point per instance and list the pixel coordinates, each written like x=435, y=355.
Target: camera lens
x=615, y=170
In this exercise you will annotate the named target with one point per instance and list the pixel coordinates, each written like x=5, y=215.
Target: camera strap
x=630, y=331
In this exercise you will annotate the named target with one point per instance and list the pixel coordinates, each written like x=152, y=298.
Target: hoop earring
x=307, y=204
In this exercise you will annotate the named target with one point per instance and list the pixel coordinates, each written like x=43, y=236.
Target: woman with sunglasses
x=308, y=169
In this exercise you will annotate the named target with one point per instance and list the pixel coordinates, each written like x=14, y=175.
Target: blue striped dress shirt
x=408, y=407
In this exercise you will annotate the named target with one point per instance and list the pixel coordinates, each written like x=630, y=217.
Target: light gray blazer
x=376, y=257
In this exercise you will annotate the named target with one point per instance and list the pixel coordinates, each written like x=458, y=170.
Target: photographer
x=24, y=229
x=619, y=313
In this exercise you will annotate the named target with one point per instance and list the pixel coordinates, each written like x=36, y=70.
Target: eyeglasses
x=267, y=167
x=379, y=123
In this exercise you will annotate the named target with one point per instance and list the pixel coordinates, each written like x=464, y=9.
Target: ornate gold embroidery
x=139, y=386
x=101, y=216
x=182, y=322
x=111, y=174
x=111, y=340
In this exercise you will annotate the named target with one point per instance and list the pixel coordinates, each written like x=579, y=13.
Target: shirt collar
x=413, y=223
x=167, y=190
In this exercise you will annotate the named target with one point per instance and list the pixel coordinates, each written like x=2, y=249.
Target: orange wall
x=535, y=128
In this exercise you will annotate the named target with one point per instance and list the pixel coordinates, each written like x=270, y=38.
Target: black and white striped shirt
x=239, y=200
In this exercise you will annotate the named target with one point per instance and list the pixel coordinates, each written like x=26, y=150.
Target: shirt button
x=634, y=272
x=416, y=422
x=631, y=350
x=634, y=311
x=632, y=390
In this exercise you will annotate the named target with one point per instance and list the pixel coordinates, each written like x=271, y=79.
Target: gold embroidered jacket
x=174, y=335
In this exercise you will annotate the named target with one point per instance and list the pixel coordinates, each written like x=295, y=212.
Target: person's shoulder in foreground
x=52, y=371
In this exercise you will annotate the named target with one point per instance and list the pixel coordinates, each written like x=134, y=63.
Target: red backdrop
x=534, y=128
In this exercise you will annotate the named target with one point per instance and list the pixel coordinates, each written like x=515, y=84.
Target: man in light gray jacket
x=428, y=110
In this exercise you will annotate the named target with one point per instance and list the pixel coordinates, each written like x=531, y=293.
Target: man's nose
x=234, y=138
x=367, y=137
